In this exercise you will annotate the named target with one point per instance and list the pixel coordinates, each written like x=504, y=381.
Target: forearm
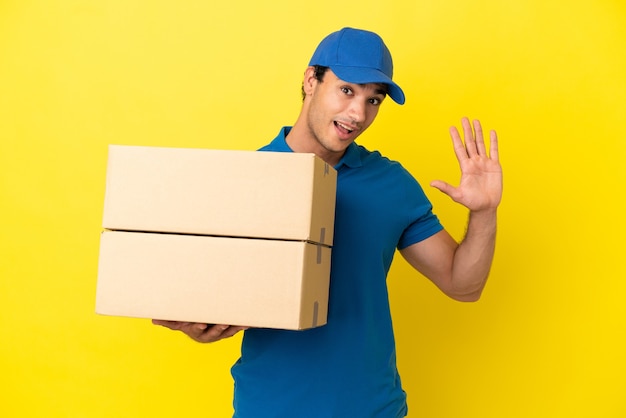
x=474, y=255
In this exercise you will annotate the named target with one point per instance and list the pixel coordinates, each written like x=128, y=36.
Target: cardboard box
x=279, y=195
x=215, y=236
x=235, y=281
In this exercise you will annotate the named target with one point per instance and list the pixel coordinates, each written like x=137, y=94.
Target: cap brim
x=360, y=75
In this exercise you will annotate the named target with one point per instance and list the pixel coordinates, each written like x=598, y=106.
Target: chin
x=340, y=147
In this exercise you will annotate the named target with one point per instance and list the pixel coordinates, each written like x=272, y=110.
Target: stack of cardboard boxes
x=216, y=236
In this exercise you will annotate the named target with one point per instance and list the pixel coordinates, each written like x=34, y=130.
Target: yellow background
x=546, y=340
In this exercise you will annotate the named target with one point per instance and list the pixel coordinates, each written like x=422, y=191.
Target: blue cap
x=358, y=56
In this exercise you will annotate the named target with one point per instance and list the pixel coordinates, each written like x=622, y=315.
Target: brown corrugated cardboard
x=220, y=192
x=235, y=281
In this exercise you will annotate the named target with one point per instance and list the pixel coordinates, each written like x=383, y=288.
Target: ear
x=310, y=81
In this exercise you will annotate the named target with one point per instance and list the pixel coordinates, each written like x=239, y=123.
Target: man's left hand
x=480, y=187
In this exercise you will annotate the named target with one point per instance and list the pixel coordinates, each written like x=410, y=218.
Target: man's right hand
x=202, y=333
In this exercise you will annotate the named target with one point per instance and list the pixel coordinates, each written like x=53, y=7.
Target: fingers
x=173, y=325
x=473, y=143
x=493, y=146
x=210, y=334
x=232, y=330
x=459, y=147
x=213, y=333
x=478, y=139
x=470, y=140
x=204, y=333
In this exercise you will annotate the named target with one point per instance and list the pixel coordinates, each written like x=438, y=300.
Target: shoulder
x=377, y=163
x=374, y=158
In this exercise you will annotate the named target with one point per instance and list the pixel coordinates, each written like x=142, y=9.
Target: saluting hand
x=480, y=187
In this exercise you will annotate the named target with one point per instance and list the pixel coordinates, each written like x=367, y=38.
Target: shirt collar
x=351, y=158
x=280, y=143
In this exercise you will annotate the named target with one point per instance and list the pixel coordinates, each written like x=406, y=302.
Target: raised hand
x=480, y=187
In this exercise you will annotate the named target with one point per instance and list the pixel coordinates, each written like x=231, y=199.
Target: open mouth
x=344, y=128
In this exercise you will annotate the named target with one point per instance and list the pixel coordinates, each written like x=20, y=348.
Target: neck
x=301, y=139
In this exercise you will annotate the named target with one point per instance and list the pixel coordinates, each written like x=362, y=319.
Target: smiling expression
x=336, y=112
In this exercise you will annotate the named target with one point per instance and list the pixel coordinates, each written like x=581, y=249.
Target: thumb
x=442, y=186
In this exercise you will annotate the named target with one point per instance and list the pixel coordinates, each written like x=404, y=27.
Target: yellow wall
x=547, y=339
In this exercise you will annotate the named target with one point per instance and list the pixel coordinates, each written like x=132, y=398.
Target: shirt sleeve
x=424, y=227
x=422, y=223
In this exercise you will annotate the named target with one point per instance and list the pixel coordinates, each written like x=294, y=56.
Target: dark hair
x=319, y=70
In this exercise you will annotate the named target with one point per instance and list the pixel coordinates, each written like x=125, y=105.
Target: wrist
x=484, y=213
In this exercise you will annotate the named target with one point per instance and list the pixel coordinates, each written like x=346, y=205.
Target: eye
x=376, y=101
x=347, y=90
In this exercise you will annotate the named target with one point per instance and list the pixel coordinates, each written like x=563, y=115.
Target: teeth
x=344, y=127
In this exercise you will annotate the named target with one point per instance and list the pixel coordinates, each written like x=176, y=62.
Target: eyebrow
x=384, y=90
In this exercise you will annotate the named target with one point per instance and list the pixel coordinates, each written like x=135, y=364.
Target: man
x=347, y=368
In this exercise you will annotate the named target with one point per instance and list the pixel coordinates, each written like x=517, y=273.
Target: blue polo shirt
x=346, y=368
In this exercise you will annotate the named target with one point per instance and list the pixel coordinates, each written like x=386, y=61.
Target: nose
x=356, y=111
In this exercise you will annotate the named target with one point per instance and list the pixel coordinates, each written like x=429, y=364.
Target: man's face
x=338, y=112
